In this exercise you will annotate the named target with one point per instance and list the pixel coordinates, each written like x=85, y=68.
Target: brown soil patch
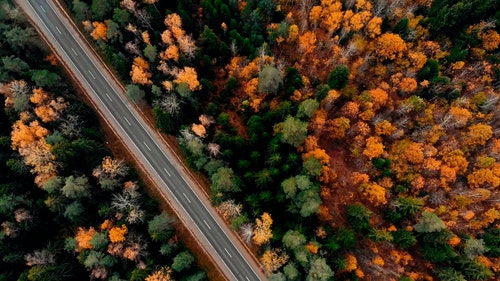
x=237, y=123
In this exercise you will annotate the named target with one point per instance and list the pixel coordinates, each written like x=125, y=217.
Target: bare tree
x=133, y=48
x=213, y=149
x=71, y=126
x=128, y=202
x=10, y=229
x=40, y=257
x=22, y=215
x=135, y=215
x=246, y=231
x=143, y=17
x=21, y=93
x=229, y=209
x=129, y=5
x=171, y=104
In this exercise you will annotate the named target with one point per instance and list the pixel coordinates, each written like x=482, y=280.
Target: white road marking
x=166, y=171
x=247, y=278
x=58, y=30
x=127, y=121
x=41, y=7
x=186, y=197
x=146, y=145
x=74, y=52
x=207, y=224
x=107, y=95
x=228, y=253
x=91, y=74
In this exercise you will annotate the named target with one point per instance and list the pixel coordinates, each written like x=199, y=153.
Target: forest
x=70, y=210
x=343, y=140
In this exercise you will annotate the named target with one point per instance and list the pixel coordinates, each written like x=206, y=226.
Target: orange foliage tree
x=373, y=27
x=379, y=97
x=185, y=42
x=29, y=140
x=117, y=234
x=47, y=109
x=100, y=31
x=83, y=237
x=375, y=193
x=389, y=46
x=384, y=128
x=140, y=72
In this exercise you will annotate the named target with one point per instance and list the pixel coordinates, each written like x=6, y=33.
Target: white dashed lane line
x=126, y=120
x=91, y=74
x=186, y=197
x=207, y=224
x=166, y=171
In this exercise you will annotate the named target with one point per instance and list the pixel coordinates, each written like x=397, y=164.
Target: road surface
x=142, y=141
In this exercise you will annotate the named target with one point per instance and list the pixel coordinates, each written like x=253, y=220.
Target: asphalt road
x=141, y=140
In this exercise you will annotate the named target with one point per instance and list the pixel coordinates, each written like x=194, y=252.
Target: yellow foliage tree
x=374, y=147
x=456, y=160
x=491, y=39
x=373, y=28
x=337, y=127
x=481, y=177
x=272, y=260
x=375, y=193
x=458, y=116
x=23, y=135
x=162, y=274
x=262, y=231
x=477, y=134
x=293, y=33
x=189, y=76
x=331, y=16
x=29, y=140
x=171, y=53
x=384, y=128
